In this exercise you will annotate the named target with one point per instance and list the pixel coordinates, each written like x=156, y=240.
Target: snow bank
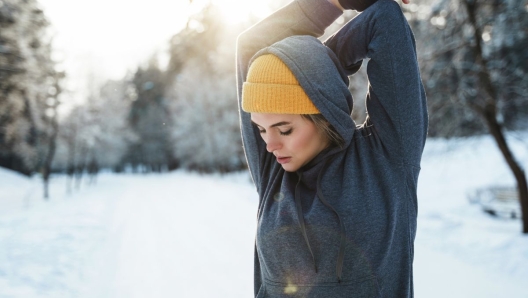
x=450, y=227
x=16, y=191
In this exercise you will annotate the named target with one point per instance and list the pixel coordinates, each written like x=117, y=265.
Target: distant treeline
x=185, y=115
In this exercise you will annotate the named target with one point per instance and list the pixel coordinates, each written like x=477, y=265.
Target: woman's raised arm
x=396, y=102
x=300, y=17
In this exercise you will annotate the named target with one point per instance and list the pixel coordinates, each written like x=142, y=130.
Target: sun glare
x=238, y=11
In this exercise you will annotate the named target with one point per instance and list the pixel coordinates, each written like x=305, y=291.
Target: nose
x=272, y=143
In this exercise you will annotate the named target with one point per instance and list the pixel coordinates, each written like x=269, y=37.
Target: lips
x=283, y=160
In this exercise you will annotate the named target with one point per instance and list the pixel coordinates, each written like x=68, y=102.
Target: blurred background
x=121, y=161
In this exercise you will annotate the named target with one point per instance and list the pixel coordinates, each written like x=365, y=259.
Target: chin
x=289, y=168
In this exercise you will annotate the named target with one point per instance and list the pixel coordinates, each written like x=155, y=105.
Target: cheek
x=303, y=142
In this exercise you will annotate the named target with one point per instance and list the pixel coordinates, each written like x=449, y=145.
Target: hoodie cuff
x=321, y=12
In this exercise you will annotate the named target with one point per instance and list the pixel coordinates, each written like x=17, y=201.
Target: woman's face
x=293, y=139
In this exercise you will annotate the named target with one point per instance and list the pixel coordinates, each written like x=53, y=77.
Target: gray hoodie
x=344, y=224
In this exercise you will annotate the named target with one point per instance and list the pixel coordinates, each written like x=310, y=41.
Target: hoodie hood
x=321, y=76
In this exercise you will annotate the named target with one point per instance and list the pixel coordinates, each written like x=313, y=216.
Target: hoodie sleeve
x=396, y=102
x=300, y=17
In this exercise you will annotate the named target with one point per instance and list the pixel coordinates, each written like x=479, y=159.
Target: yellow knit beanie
x=271, y=87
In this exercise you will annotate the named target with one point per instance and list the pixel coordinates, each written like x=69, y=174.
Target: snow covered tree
x=446, y=40
x=29, y=90
x=202, y=92
x=475, y=57
x=113, y=105
x=70, y=144
x=206, y=130
x=49, y=147
x=96, y=135
x=150, y=120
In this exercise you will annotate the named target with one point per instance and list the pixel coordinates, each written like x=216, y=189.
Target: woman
x=337, y=209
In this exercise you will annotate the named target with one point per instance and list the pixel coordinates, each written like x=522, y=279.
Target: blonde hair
x=334, y=138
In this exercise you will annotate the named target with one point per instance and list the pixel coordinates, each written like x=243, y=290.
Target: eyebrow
x=274, y=125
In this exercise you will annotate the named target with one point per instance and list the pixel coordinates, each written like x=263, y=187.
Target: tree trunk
x=46, y=167
x=497, y=133
x=489, y=112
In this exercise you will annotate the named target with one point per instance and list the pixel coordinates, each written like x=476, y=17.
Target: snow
x=189, y=235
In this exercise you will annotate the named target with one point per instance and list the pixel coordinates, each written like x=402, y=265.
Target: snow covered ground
x=152, y=236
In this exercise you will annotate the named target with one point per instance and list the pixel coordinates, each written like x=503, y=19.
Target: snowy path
x=183, y=236
x=437, y=275
x=46, y=249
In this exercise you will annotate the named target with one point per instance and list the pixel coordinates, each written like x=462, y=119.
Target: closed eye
x=285, y=133
x=282, y=133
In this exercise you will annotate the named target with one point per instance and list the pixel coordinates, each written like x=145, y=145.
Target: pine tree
x=28, y=87
x=150, y=120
